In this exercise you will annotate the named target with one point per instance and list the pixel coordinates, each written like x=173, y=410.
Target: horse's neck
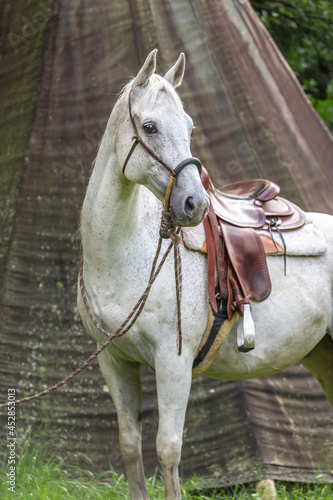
x=119, y=219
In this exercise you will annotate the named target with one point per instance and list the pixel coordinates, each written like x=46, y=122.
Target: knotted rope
x=133, y=315
x=178, y=277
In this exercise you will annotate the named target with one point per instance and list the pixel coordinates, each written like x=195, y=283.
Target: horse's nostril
x=189, y=206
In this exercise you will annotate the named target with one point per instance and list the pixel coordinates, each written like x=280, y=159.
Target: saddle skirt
x=307, y=241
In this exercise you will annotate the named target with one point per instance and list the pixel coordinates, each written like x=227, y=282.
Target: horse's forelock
x=155, y=85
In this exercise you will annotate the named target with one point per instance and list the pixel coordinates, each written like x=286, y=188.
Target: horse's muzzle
x=189, y=202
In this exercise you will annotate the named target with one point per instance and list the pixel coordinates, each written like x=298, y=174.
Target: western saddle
x=240, y=226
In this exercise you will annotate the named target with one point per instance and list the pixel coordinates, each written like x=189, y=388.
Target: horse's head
x=153, y=143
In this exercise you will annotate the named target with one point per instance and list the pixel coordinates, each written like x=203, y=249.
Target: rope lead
x=131, y=318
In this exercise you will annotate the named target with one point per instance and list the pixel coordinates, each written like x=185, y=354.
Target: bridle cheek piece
x=173, y=172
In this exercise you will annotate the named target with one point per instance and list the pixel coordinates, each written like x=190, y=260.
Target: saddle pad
x=307, y=241
x=194, y=237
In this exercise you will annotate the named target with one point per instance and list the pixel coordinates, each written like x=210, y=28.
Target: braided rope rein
x=131, y=318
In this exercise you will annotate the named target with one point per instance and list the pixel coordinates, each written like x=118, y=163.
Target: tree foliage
x=303, y=31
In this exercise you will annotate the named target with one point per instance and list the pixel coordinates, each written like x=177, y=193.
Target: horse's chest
x=120, y=290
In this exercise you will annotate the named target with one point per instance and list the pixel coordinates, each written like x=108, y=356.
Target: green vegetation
x=302, y=29
x=43, y=477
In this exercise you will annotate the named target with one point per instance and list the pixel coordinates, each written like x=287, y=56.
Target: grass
x=41, y=477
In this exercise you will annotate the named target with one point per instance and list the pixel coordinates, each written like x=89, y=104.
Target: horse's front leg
x=123, y=380
x=173, y=378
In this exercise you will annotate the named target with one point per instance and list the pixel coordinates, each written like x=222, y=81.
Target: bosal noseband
x=164, y=232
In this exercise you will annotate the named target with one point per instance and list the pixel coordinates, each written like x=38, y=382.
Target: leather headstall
x=173, y=172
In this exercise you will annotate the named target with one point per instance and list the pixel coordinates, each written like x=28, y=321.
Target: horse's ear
x=176, y=73
x=147, y=70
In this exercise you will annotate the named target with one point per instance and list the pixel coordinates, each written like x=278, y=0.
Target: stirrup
x=246, y=331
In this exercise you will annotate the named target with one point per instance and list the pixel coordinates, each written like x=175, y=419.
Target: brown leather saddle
x=240, y=227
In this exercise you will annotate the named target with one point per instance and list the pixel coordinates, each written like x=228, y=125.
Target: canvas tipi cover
x=62, y=64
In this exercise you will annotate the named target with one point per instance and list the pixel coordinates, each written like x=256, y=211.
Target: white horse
x=120, y=231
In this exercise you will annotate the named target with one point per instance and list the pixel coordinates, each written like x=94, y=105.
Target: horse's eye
x=150, y=128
